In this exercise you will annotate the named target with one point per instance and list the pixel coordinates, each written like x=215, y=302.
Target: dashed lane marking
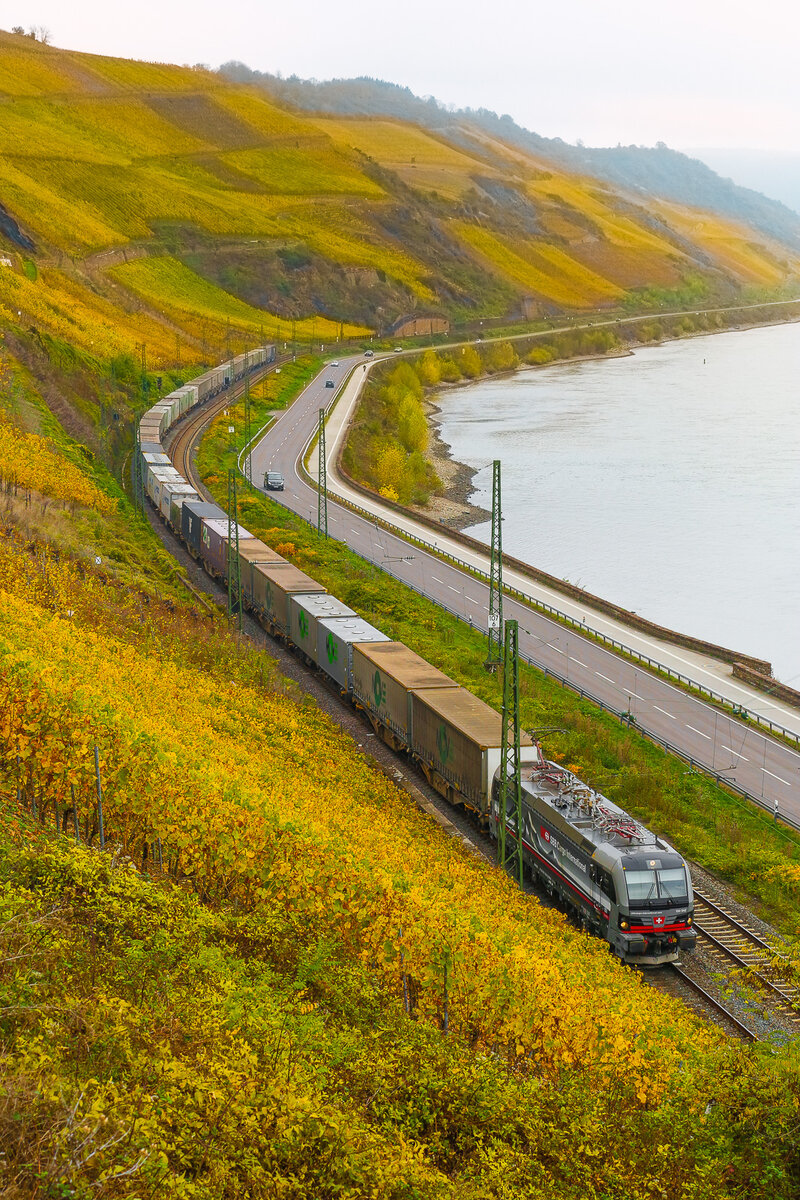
x=671, y=716
x=703, y=735
x=770, y=773
x=735, y=753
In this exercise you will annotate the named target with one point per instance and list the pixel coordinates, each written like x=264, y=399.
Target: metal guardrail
x=737, y=710
x=623, y=717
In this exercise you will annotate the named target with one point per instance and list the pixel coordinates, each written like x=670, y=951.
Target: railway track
x=710, y=918
x=735, y=942
x=700, y=1001
x=189, y=431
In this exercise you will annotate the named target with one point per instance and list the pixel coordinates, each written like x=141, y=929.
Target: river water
x=667, y=482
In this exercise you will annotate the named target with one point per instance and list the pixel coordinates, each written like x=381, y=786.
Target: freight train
x=614, y=876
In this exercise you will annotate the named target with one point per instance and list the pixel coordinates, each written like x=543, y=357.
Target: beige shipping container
x=459, y=739
x=273, y=584
x=384, y=675
x=253, y=550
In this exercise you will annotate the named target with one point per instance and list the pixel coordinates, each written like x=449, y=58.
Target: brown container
x=252, y=550
x=384, y=674
x=273, y=584
x=460, y=738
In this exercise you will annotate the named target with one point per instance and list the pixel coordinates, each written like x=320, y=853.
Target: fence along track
x=749, y=951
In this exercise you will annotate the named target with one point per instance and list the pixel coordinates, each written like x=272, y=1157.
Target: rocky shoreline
x=451, y=507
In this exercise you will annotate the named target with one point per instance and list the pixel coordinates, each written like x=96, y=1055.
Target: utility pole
x=144, y=374
x=234, y=566
x=510, y=766
x=248, y=432
x=322, y=486
x=138, y=473
x=495, y=646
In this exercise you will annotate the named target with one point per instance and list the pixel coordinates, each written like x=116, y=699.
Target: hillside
x=158, y=206
x=654, y=171
x=281, y=978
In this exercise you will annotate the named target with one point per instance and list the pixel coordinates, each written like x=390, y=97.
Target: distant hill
x=771, y=172
x=186, y=212
x=656, y=171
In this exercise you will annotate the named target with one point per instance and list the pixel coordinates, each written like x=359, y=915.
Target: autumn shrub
x=358, y=1007
x=28, y=463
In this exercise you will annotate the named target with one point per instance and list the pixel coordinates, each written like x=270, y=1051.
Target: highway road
x=764, y=768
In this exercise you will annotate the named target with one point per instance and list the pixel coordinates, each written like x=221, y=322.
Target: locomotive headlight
x=623, y=924
x=688, y=920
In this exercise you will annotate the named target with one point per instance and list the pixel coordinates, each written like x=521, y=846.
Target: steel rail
x=724, y=940
x=741, y=1029
x=186, y=431
x=182, y=446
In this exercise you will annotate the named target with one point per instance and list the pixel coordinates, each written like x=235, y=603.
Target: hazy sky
x=687, y=72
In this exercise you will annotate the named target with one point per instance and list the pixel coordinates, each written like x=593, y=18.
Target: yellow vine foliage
x=28, y=462
x=260, y=799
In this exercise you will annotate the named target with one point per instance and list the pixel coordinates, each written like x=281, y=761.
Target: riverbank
x=654, y=484
x=452, y=506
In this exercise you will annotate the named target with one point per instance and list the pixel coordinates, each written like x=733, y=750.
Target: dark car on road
x=273, y=481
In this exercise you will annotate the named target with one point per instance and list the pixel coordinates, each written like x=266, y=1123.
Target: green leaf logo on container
x=378, y=689
x=302, y=622
x=268, y=597
x=331, y=648
x=444, y=746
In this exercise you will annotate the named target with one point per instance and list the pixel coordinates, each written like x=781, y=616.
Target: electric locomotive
x=617, y=878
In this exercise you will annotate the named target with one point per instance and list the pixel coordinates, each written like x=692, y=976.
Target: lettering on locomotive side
x=554, y=842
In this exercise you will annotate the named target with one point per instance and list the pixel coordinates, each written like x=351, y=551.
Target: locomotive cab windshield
x=658, y=883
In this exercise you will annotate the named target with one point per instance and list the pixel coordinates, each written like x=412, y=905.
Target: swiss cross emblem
x=658, y=920
x=544, y=833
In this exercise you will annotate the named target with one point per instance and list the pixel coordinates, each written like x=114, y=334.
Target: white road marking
x=452, y=589
x=578, y=661
x=735, y=753
x=437, y=580
x=552, y=647
x=766, y=772
x=705, y=735
x=671, y=716
x=602, y=676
